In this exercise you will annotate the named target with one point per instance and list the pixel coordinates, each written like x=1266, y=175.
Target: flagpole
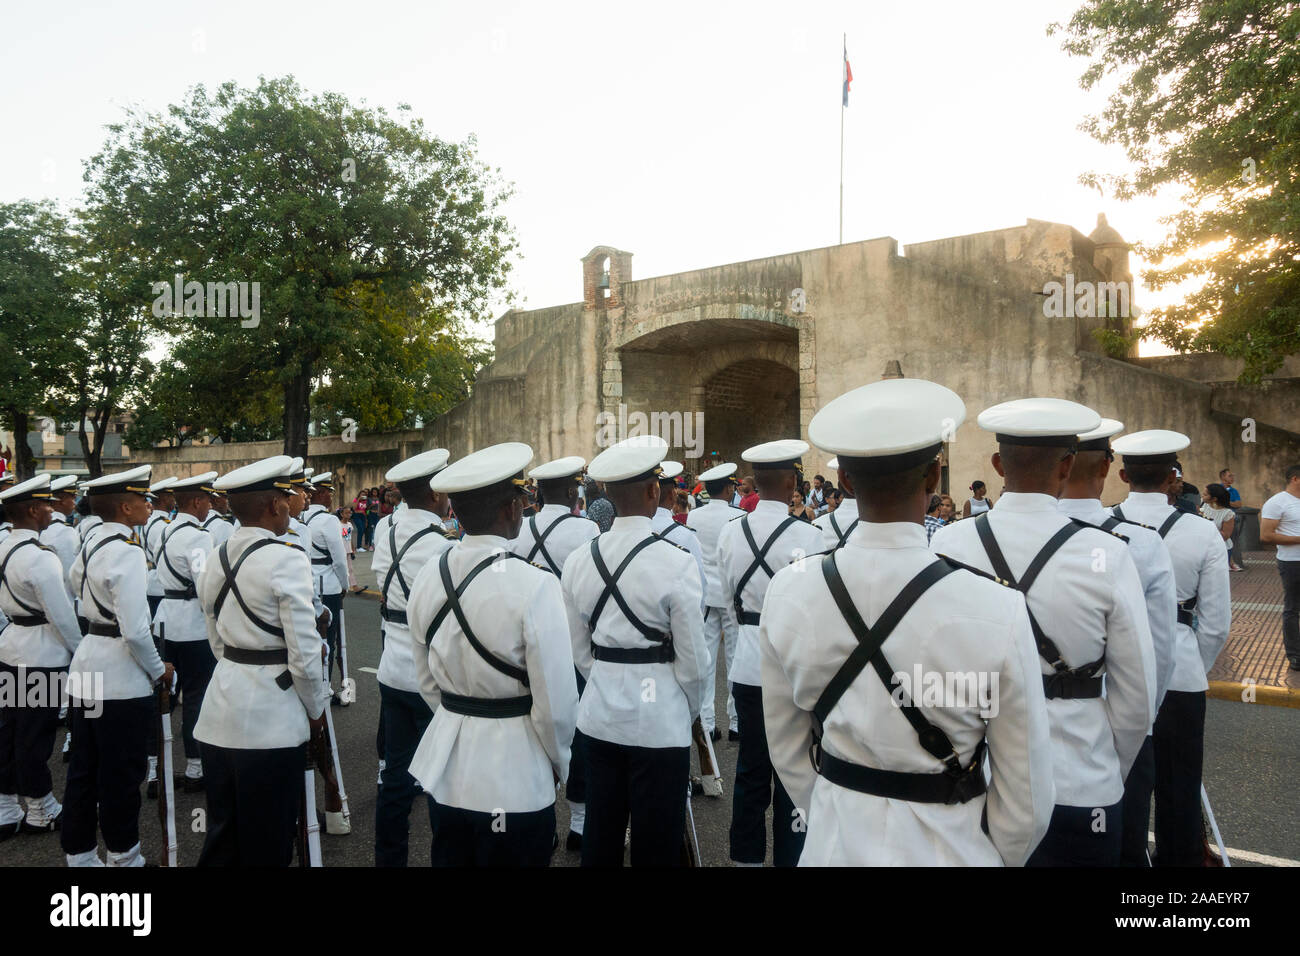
x=843, y=75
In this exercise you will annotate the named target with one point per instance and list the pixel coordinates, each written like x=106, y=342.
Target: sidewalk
x=1251, y=663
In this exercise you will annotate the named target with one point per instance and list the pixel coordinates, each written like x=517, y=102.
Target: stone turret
x=1110, y=255
x=604, y=270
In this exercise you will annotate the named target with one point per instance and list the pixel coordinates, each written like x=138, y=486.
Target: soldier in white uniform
x=547, y=539
x=329, y=561
x=1204, y=616
x=633, y=601
x=35, y=648
x=493, y=660
x=1088, y=615
x=218, y=522
x=751, y=549
x=887, y=778
x=662, y=523
x=180, y=557
x=267, y=695
x=164, y=502
x=87, y=522
x=414, y=537
x=721, y=629
x=7, y=481
x=1081, y=499
x=60, y=535
x=837, y=525
x=112, y=719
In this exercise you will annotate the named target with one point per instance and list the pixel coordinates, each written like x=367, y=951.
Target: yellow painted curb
x=1262, y=693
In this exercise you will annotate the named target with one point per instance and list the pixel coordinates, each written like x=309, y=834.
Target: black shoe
x=733, y=734
x=715, y=735
x=697, y=788
x=151, y=789
x=67, y=756
x=1295, y=665
x=555, y=841
x=573, y=842
x=336, y=701
x=193, y=784
x=10, y=829
x=55, y=824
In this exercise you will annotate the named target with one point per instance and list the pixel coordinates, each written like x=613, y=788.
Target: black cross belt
x=915, y=787
x=103, y=630
x=29, y=620
x=393, y=617
x=1067, y=686
x=496, y=707
x=181, y=594
x=659, y=654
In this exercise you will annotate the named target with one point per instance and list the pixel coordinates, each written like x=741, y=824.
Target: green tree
x=314, y=199
x=39, y=316
x=1206, y=104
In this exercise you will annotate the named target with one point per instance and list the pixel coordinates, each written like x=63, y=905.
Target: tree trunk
x=95, y=454
x=85, y=445
x=24, y=462
x=297, y=409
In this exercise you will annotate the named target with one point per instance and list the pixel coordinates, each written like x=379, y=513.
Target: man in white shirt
x=118, y=671
x=493, y=662
x=633, y=604
x=267, y=696
x=837, y=525
x=329, y=565
x=751, y=549
x=151, y=537
x=1279, y=524
x=847, y=709
x=408, y=540
x=1088, y=615
x=1200, y=561
x=60, y=535
x=182, y=550
x=721, y=629
x=35, y=649
x=547, y=539
x=1082, y=499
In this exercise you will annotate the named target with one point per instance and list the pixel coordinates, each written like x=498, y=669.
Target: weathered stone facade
x=757, y=347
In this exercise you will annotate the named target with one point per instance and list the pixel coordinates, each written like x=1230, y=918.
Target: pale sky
x=690, y=134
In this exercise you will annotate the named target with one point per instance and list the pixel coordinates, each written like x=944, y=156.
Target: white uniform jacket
x=963, y=625
x=1089, y=602
x=329, y=560
x=837, y=525
x=1200, y=560
x=708, y=521
x=516, y=612
x=112, y=578
x=255, y=706
x=798, y=540
x=642, y=704
x=181, y=555
x=570, y=532
x=33, y=587
x=397, y=661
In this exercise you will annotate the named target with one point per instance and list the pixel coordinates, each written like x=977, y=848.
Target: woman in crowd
x=681, y=506
x=978, y=504
x=799, y=510
x=1216, y=508
x=373, y=504
x=359, y=504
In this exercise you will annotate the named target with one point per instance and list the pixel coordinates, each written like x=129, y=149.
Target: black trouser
x=1081, y=836
x=757, y=786
x=194, y=665
x=1178, y=745
x=405, y=716
x=108, y=765
x=1290, y=572
x=474, y=838
x=335, y=604
x=575, y=789
x=151, y=740
x=154, y=601
x=253, y=798
x=1137, y=807
x=27, y=733
x=380, y=742
x=646, y=785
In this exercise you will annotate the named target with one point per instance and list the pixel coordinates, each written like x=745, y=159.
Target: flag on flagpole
x=848, y=76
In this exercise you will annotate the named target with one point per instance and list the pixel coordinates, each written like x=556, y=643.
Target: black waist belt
x=916, y=787
x=29, y=620
x=488, y=706
x=103, y=630
x=181, y=594
x=393, y=617
x=659, y=654
x=242, y=655
x=1186, y=617
x=748, y=617
x=1067, y=686
x=320, y=561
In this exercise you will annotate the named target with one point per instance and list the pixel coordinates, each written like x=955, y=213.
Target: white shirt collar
x=889, y=535
x=1021, y=501
x=776, y=507
x=555, y=510
x=1080, y=507
x=1148, y=498
x=488, y=542
x=631, y=523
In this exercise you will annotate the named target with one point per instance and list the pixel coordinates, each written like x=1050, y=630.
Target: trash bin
x=1249, y=518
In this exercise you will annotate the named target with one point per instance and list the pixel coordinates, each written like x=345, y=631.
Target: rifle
x=308, y=827
x=348, y=689
x=710, y=774
x=166, y=785
x=690, y=842
x=325, y=755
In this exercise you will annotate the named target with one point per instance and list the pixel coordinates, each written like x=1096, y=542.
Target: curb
x=1268, y=694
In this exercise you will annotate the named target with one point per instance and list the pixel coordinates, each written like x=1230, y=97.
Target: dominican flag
x=848, y=76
